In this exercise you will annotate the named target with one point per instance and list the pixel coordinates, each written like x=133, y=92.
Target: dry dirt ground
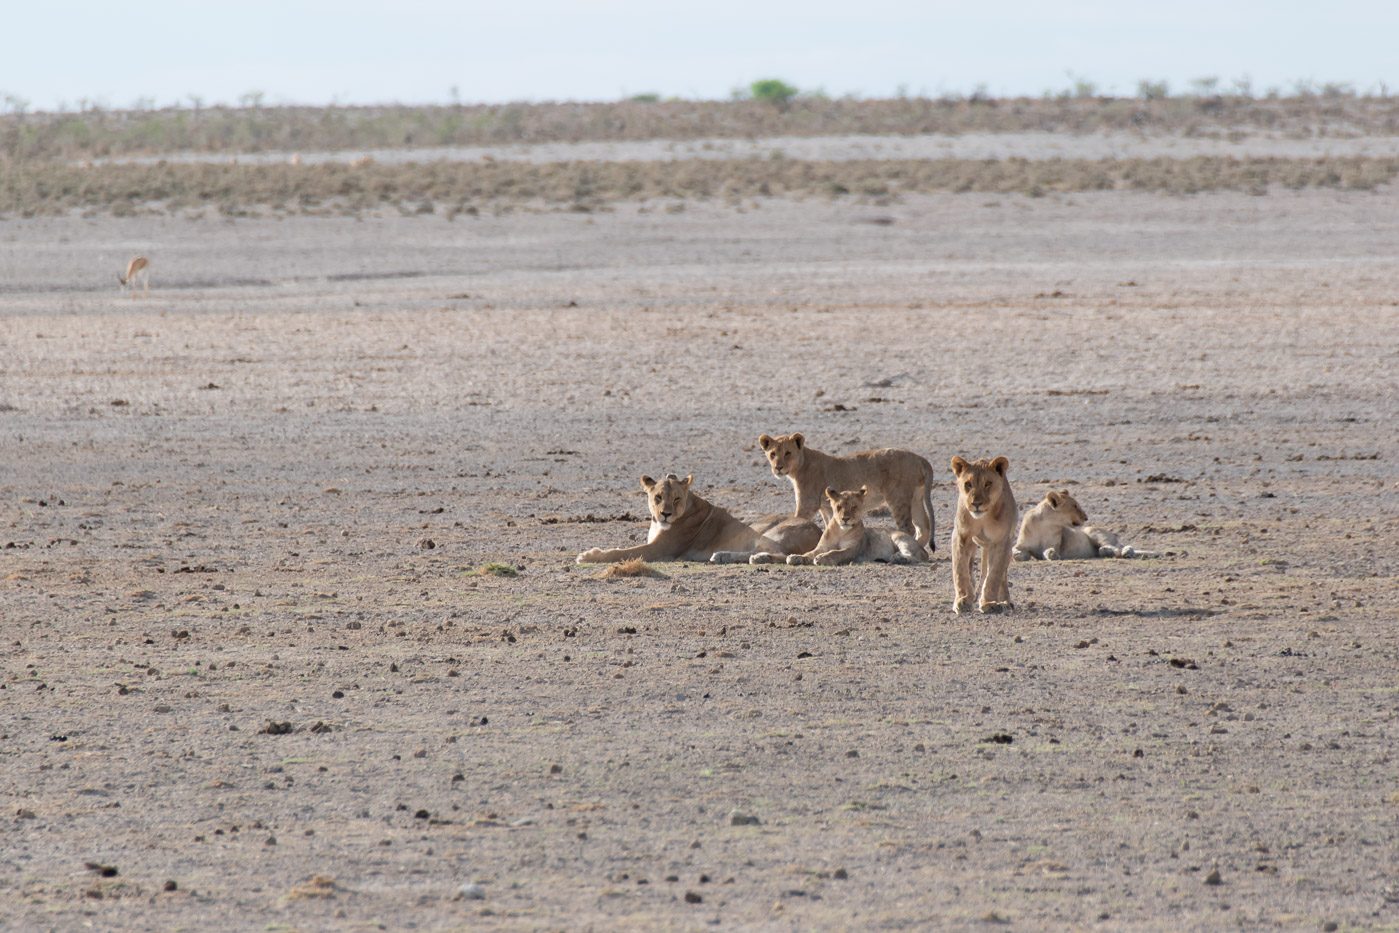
x=215, y=505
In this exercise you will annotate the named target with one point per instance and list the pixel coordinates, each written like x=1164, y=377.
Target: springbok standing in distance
x=138, y=268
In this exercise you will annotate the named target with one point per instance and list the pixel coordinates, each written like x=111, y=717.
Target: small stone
x=426, y=544
x=556, y=769
x=1213, y=878
x=171, y=886
x=471, y=892
x=692, y=897
x=738, y=818
x=852, y=754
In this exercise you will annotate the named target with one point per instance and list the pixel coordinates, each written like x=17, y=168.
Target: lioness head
x=1065, y=507
x=667, y=499
x=784, y=453
x=980, y=485
x=847, y=506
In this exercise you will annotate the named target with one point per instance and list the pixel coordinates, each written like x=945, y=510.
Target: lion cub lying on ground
x=1051, y=531
x=846, y=540
x=686, y=527
x=897, y=478
x=986, y=516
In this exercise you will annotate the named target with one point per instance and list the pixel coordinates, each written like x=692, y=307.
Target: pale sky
x=416, y=51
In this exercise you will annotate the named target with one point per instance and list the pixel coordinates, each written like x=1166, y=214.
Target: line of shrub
x=48, y=188
x=93, y=134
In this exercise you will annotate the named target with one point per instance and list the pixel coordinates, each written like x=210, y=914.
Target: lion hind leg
x=909, y=550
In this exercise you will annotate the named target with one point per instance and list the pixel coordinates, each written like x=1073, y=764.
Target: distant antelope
x=138, y=268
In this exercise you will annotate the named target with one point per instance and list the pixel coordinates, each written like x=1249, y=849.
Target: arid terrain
x=254, y=676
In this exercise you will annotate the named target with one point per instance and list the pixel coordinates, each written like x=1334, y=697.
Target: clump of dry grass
x=465, y=187
x=319, y=886
x=95, y=134
x=636, y=567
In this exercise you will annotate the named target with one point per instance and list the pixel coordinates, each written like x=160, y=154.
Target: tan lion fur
x=1054, y=530
x=986, y=519
x=846, y=540
x=686, y=527
x=900, y=479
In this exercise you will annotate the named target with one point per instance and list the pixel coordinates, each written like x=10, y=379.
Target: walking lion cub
x=897, y=478
x=846, y=540
x=986, y=519
x=1054, y=530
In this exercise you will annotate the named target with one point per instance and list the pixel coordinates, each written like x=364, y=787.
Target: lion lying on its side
x=686, y=527
x=846, y=540
x=1051, y=531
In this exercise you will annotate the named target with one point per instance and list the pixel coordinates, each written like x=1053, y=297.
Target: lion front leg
x=836, y=557
x=995, y=579
x=600, y=555
x=961, y=573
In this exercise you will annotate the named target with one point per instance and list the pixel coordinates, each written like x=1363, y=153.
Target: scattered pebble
x=738, y=818
x=471, y=892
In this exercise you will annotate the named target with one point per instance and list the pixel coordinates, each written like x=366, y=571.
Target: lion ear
x=958, y=465
x=688, y=480
x=798, y=440
x=831, y=493
x=647, y=483
x=765, y=442
x=1052, y=498
x=864, y=491
x=1000, y=464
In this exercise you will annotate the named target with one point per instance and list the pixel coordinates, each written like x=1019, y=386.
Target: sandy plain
x=215, y=504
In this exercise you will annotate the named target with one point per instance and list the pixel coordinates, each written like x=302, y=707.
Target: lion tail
x=928, y=505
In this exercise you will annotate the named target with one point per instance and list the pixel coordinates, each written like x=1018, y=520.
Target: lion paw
x=1051, y=553
x=763, y=557
x=962, y=604
x=993, y=608
x=796, y=560
x=590, y=556
x=1019, y=554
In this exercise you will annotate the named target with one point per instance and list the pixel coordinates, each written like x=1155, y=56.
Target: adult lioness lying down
x=686, y=527
x=1055, y=530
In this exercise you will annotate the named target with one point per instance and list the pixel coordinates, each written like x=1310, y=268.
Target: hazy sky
x=415, y=51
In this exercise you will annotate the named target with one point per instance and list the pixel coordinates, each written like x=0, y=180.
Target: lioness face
x=980, y=485
x=847, y=506
x=667, y=499
x=784, y=453
x=1066, y=507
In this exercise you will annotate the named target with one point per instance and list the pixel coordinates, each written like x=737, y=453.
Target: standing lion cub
x=846, y=540
x=897, y=478
x=986, y=519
